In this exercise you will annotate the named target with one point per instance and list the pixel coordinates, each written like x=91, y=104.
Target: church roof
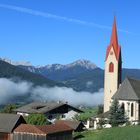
x=129, y=90
x=114, y=42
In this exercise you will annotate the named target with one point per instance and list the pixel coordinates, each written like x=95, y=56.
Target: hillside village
x=69, y=70
x=62, y=121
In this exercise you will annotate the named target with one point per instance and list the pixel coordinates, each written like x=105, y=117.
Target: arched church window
x=132, y=110
x=123, y=107
x=111, y=67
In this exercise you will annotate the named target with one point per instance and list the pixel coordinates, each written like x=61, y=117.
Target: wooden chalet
x=50, y=109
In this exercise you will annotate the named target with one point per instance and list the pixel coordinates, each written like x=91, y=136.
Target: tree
x=87, y=113
x=9, y=108
x=117, y=114
x=100, y=109
x=36, y=119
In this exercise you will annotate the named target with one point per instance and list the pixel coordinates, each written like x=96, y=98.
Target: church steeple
x=114, y=42
x=113, y=68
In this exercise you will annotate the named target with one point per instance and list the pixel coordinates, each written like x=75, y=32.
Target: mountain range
x=60, y=72
x=16, y=73
x=81, y=75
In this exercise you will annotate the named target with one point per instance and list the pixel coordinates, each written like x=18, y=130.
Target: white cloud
x=10, y=89
x=68, y=95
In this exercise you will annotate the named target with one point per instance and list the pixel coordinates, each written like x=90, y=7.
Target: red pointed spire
x=114, y=38
x=114, y=41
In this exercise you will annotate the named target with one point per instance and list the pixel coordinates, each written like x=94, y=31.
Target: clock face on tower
x=111, y=53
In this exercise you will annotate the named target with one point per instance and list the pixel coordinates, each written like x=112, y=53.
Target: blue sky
x=62, y=31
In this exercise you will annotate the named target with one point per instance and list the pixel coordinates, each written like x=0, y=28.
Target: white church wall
x=127, y=106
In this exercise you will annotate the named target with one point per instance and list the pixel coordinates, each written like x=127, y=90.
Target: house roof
x=129, y=90
x=42, y=129
x=38, y=107
x=54, y=128
x=28, y=128
x=73, y=124
x=114, y=42
x=8, y=122
x=43, y=107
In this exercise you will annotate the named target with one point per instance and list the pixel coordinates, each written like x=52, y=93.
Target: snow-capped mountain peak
x=83, y=63
x=55, y=66
x=16, y=63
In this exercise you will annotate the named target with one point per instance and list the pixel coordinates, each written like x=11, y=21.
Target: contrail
x=53, y=16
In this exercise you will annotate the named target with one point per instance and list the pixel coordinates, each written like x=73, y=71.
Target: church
x=127, y=92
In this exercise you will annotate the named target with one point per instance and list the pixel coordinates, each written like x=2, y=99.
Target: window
x=132, y=110
x=111, y=67
x=50, y=117
x=63, y=116
x=123, y=107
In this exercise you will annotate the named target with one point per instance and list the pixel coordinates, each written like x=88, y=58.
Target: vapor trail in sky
x=57, y=17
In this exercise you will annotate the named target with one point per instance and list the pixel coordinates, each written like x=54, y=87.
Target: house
x=57, y=131
x=52, y=110
x=96, y=119
x=77, y=126
x=28, y=132
x=14, y=127
x=8, y=122
x=46, y=132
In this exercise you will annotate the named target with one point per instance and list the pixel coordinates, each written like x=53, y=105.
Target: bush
x=9, y=108
x=36, y=119
x=100, y=109
x=88, y=113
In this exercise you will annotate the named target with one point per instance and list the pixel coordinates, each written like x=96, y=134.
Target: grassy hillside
x=124, y=133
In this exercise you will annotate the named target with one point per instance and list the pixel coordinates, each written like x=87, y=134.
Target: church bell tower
x=113, y=68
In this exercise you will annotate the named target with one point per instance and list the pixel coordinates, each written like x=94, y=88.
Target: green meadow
x=117, y=133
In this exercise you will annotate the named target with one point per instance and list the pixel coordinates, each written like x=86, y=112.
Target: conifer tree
x=117, y=114
x=100, y=109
